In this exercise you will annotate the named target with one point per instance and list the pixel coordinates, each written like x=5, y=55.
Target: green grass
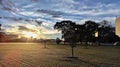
x=35, y=55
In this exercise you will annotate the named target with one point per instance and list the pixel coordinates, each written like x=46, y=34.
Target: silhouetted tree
x=80, y=32
x=73, y=33
x=112, y=38
x=90, y=28
x=105, y=31
x=67, y=29
x=58, y=40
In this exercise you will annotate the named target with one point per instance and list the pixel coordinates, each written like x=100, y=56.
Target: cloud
x=38, y=22
x=8, y=5
x=98, y=12
x=23, y=28
x=32, y=13
x=9, y=26
x=98, y=20
x=46, y=31
x=69, y=7
x=91, y=9
x=29, y=6
x=49, y=12
x=33, y=0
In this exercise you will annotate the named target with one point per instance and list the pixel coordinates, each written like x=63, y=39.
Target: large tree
x=80, y=32
x=90, y=28
x=106, y=32
x=68, y=30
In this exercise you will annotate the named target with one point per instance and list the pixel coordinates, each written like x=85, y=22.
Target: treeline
x=90, y=31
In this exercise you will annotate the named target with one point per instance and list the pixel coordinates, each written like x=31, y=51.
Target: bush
x=58, y=40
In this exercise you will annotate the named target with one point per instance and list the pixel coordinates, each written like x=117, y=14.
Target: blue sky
x=24, y=13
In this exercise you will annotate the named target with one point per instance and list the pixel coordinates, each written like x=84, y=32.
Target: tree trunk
x=72, y=51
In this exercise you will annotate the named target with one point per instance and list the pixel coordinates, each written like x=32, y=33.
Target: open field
x=35, y=55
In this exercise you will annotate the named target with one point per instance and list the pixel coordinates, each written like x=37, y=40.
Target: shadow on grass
x=78, y=60
x=87, y=62
x=72, y=57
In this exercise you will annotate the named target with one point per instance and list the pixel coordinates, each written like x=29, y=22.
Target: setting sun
x=30, y=34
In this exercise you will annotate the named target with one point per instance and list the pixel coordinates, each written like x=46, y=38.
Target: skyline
x=17, y=16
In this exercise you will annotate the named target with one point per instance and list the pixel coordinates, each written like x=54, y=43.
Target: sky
x=39, y=16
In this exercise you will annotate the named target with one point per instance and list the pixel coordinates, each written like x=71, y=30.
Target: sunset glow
x=35, y=16
x=30, y=34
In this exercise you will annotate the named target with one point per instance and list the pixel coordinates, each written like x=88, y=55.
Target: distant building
x=2, y=35
x=5, y=37
x=12, y=36
x=117, y=25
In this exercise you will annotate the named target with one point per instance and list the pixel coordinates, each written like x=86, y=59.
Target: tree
x=112, y=38
x=68, y=29
x=58, y=40
x=90, y=28
x=105, y=31
x=80, y=32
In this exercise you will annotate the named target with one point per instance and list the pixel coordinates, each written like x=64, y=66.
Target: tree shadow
x=77, y=60
x=72, y=57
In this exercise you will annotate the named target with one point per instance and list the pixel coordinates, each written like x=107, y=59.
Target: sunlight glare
x=30, y=34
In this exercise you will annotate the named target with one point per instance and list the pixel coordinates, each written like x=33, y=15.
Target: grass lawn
x=35, y=55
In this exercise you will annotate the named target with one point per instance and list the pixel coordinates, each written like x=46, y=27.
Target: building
x=117, y=25
x=2, y=35
x=5, y=37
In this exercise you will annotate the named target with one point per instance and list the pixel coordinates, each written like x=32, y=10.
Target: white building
x=117, y=25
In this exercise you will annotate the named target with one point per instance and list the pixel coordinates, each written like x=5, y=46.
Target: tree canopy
x=72, y=32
